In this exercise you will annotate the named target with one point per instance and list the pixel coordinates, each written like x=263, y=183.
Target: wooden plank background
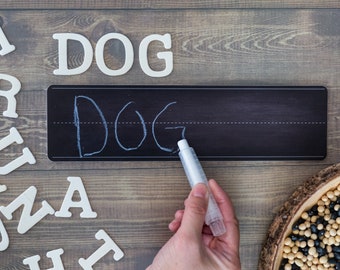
x=164, y=4
x=211, y=46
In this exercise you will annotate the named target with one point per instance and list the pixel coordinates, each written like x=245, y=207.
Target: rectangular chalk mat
x=145, y=122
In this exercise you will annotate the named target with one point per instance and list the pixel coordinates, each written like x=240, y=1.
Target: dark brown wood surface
x=164, y=4
x=136, y=200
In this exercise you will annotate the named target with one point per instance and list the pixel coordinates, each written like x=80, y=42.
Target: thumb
x=195, y=211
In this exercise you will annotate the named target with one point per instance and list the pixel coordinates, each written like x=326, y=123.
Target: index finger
x=223, y=201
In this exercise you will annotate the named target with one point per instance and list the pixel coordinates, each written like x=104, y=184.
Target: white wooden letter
x=108, y=246
x=62, y=45
x=13, y=137
x=27, y=157
x=4, y=237
x=9, y=95
x=167, y=56
x=27, y=221
x=76, y=184
x=54, y=255
x=6, y=47
x=3, y=188
x=128, y=54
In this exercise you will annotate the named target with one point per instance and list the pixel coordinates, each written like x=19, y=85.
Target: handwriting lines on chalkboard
x=145, y=122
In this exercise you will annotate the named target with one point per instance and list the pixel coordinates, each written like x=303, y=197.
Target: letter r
x=9, y=94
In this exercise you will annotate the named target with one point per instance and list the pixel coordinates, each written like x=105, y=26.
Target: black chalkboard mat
x=145, y=122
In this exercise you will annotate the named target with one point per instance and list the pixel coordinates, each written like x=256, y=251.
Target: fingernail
x=200, y=191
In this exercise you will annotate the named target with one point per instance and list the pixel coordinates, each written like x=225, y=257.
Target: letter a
x=54, y=255
x=6, y=47
x=27, y=157
x=108, y=246
x=9, y=94
x=76, y=185
x=62, y=42
x=26, y=199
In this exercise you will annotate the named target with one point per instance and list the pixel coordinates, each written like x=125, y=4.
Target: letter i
x=27, y=157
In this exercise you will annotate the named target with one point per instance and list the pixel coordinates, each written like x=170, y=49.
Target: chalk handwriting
x=142, y=122
x=165, y=149
x=77, y=124
x=143, y=125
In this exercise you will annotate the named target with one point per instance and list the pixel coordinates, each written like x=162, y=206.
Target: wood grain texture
x=136, y=200
x=243, y=46
x=165, y=4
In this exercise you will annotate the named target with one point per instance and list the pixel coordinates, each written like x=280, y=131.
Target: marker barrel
x=196, y=175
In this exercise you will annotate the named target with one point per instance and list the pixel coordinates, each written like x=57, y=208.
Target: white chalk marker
x=196, y=175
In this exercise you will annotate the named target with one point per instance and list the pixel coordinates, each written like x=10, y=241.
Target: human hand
x=193, y=246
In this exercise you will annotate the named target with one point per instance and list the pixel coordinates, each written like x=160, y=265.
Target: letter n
x=27, y=221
